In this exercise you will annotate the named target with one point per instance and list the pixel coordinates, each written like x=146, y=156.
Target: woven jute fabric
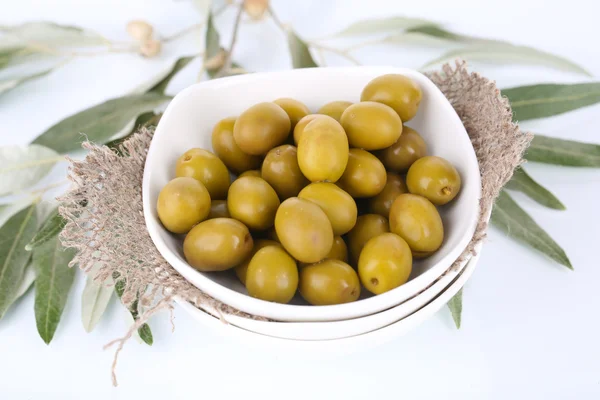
x=106, y=222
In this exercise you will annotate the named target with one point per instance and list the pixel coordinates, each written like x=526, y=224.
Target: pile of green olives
x=288, y=222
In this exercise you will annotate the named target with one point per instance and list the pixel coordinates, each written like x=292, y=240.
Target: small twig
x=343, y=53
x=194, y=27
x=276, y=19
x=236, y=26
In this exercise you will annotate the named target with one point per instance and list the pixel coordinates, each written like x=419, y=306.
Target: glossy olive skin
x=371, y=126
x=338, y=205
x=261, y=127
x=182, y=203
x=364, y=175
x=397, y=91
x=217, y=244
x=295, y=109
x=242, y=269
x=367, y=226
x=272, y=275
x=434, y=178
x=206, y=167
x=402, y=154
x=304, y=230
x=416, y=220
x=218, y=209
x=299, y=129
x=251, y=172
x=323, y=150
x=394, y=187
x=280, y=169
x=385, y=263
x=335, y=109
x=329, y=282
x=339, y=251
x=228, y=151
x=253, y=201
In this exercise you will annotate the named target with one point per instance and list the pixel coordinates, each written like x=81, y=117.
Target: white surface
x=183, y=127
x=530, y=327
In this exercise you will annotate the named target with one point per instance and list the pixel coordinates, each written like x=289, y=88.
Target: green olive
x=402, y=154
x=294, y=109
x=435, y=179
x=217, y=244
x=329, y=282
x=242, y=269
x=182, y=203
x=272, y=275
x=261, y=127
x=218, y=209
x=339, y=251
x=394, y=186
x=299, y=129
x=304, y=230
x=335, y=109
x=367, y=226
x=272, y=234
x=204, y=166
x=338, y=205
x=397, y=91
x=253, y=201
x=416, y=220
x=371, y=126
x=225, y=148
x=364, y=175
x=251, y=172
x=385, y=263
x=280, y=169
x=323, y=150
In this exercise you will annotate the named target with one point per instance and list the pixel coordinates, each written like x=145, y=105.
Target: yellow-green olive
x=295, y=109
x=182, y=203
x=253, y=201
x=329, y=282
x=272, y=275
x=416, y=220
x=225, y=148
x=394, y=186
x=261, y=127
x=435, y=179
x=251, y=172
x=280, y=169
x=299, y=129
x=371, y=126
x=402, y=154
x=242, y=269
x=397, y=91
x=218, y=209
x=338, y=205
x=335, y=109
x=364, y=175
x=367, y=226
x=204, y=166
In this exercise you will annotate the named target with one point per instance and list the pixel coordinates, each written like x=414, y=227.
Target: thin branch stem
x=276, y=19
x=194, y=27
x=236, y=27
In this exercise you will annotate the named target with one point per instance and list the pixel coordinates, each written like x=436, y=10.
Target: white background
x=530, y=327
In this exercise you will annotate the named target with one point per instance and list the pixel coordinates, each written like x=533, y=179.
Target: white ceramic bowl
x=188, y=122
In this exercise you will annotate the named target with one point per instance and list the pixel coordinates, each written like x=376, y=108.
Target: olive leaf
x=546, y=100
x=51, y=227
x=23, y=166
x=382, y=25
x=52, y=285
x=35, y=35
x=144, y=330
x=26, y=281
x=160, y=82
x=524, y=183
x=94, y=301
x=571, y=153
x=455, y=306
x=146, y=119
x=11, y=83
x=15, y=233
x=301, y=57
x=516, y=223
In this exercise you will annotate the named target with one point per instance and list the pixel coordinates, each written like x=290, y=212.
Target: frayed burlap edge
x=104, y=211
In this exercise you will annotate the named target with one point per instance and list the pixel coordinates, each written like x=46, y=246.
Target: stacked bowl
x=188, y=123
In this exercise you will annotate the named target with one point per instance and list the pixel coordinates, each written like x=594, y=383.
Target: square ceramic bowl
x=188, y=122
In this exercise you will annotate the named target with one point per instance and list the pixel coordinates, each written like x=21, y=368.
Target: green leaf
x=54, y=280
x=99, y=123
x=301, y=57
x=546, y=100
x=212, y=45
x=11, y=83
x=144, y=120
x=144, y=330
x=549, y=150
x=455, y=306
x=522, y=182
x=50, y=228
x=382, y=25
x=43, y=33
x=23, y=166
x=440, y=33
x=94, y=300
x=516, y=223
x=146, y=334
x=16, y=232
x=26, y=281
x=160, y=82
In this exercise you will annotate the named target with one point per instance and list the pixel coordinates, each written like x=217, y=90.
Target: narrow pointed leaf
x=160, y=82
x=51, y=227
x=52, y=285
x=546, y=100
x=23, y=166
x=11, y=83
x=455, y=306
x=382, y=25
x=571, y=153
x=517, y=224
x=94, y=301
x=26, y=281
x=522, y=182
x=440, y=33
x=301, y=57
x=144, y=120
x=144, y=330
x=49, y=34
x=212, y=45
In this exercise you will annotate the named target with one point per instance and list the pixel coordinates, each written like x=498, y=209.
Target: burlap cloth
x=106, y=223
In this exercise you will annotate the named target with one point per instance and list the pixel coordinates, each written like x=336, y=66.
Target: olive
x=217, y=244
x=182, y=203
x=371, y=126
x=335, y=109
x=397, y=91
x=421, y=254
x=339, y=251
x=304, y=230
x=218, y=209
x=329, y=282
x=394, y=186
x=260, y=128
x=242, y=269
x=385, y=263
x=402, y=154
x=225, y=148
x=251, y=172
x=299, y=129
x=367, y=226
x=204, y=166
x=253, y=201
x=416, y=220
x=272, y=275
x=434, y=178
x=280, y=169
x=294, y=109
x=364, y=175
x=272, y=234
x=338, y=205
